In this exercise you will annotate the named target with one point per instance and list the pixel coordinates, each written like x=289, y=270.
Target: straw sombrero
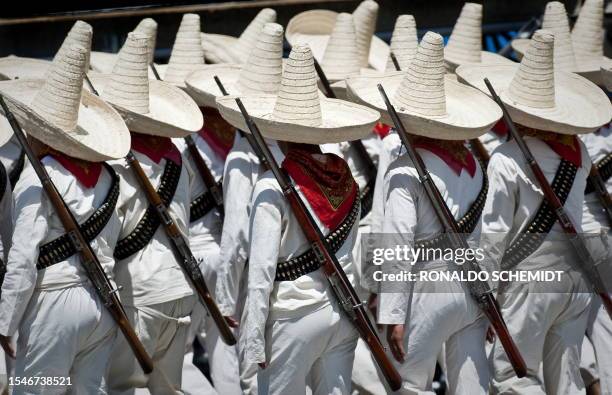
x=148, y=106
x=299, y=114
x=428, y=102
x=314, y=28
x=58, y=112
x=539, y=97
x=261, y=74
x=404, y=42
x=15, y=67
x=220, y=48
x=465, y=42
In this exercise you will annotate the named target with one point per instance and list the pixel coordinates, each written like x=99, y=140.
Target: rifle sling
x=604, y=166
x=202, y=205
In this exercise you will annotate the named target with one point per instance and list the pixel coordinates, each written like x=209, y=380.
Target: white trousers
x=65, y=333
x=599, y=330
x=588, y=363
x=317, y=348
x=548, y=329
x=162, y=329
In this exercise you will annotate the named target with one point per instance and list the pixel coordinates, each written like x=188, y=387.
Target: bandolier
x=604, y=166
x=202, y=205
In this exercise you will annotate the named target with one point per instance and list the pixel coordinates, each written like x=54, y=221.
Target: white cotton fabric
x=9, y=153
x=598, y=144
x=6, y=233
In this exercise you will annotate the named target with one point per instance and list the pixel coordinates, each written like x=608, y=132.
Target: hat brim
x=486, y=58
x=580, y=106
x=202, y=86
x=15, y=67
x=172, y=113
x=103, y=62
x=314, y=28
x=100, y=134
x=469, y=113
x=218, y=48
x=341, y=120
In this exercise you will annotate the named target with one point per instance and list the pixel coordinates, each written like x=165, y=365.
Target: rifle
x=480, y=291
x=342, y=288
x=524, y=32
x=89, y=260
x=602, y=192
x=575, y=238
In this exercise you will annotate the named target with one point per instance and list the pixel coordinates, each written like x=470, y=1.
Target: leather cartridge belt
x=604, y=166
x=202, y=205
x=367, y=197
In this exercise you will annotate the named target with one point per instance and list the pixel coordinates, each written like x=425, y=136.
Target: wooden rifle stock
x=186, y=259
x=602, y=192
x=589, y=266
x=484, y=296
x=344, y=291
x=90, y=262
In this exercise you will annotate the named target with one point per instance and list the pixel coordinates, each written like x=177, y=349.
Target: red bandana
x=87, y=173
x=328, y=185
x=382, y=130
x=500, y=128
x=453, y=153
x=218, y=134
x=564, y=145
x=155, y=148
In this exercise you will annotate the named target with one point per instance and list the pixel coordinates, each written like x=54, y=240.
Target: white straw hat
x=15, y=67
x=299, y=114
x=220, y=48
x=465, y=42
x=341, y=58
x=148, y=106
x=429, y=102
x=539, y=97
x=261, y=74
x=80, y=35
x=58, y=112
x=187, y=53
x=365, y=16
x=404, y=42
x=315, y=26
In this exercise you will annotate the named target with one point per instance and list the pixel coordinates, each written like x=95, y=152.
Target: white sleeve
x=7, y=221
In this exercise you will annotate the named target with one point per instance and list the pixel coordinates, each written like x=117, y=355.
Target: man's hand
x=395, y=337
x=5, y=342
x=373, y=306
x=231, y=321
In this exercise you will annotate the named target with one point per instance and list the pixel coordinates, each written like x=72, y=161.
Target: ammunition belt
x=62, y=248
x=202, y=205
x=604, y=166
x=367, y=197
x=148, y=224
x=467, y=223
x=17, y=169
x=544, y=219
x=308, y=262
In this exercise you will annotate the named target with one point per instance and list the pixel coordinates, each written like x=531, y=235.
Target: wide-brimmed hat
x=148, y=106
x=314, y=28
x=539, y=97
x=58, y=112
x=428, y=102
x=261, y=74
x=298, y=113
x=465, y=42
x=404, y=42
x=16, y=67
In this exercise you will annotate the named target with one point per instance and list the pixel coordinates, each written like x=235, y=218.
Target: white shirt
x=36, y=224
x=391, y=148
x=276, y=236
x=9, y=154
x=491, y=140
x=153, y=274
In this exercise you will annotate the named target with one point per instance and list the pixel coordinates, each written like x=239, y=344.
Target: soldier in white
x=156, y=292
x=546, y=320
x=293, y=326
x=64, y=329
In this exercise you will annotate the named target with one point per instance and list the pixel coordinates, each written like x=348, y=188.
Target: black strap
x=202, y=205
x=3, y=182
x=367, y=197
x=148, y=224
x=308, y=262
x=544, y=219
x=604, y=166
x=17, y=169
x=62, y=248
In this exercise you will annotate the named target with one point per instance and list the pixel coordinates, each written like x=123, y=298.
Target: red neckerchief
x=155, y=148
x=564, y=145
x=87, y=173
x=453, y=153
x=382, y=129
x=328, y=185
x=218, y=134
x=500, y=128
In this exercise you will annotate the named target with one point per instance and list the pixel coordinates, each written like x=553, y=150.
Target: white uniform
x=6, y=233
x=296, y=326
x=10, y=153
x=440, y=313
x=547, y=325
x=156, y=293
x=64, y=329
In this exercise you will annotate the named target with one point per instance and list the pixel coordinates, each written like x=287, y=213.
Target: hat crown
x=59, y=98
x=148, y=26
x=588, y=32
x=422, y=89
x=249, y=37
x=262, y=72
x=365, y=16
x=129, y=84
x=80, y=35
x=555, y=20
x=298, y=98
x=465, y=41
x=533, y=84
x=187, y=52
x=341, y=57
x=404, y=42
